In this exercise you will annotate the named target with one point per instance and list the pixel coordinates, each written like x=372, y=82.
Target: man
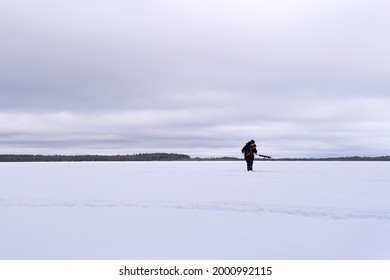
x=249, y=152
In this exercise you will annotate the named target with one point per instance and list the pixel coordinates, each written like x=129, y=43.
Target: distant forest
x=163, y=157
x=354, y=158
x=135, y=157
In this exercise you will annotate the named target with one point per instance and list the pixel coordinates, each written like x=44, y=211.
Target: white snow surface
x=195, y=210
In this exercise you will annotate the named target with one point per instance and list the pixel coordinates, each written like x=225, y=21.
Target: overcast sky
x=201, y=77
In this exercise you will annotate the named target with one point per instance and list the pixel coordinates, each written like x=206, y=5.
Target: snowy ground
x=195, y=210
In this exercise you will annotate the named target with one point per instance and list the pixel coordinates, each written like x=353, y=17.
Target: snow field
x=195, y=210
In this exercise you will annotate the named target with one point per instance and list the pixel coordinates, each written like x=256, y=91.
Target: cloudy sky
x=201, y=77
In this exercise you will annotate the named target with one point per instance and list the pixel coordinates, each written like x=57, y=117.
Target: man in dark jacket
x=249, y=152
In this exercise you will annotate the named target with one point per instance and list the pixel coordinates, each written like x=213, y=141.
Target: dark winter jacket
x=249, y=150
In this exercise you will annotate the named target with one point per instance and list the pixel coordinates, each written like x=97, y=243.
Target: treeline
x=163, y=157
x=135, y=157
x=353, y=158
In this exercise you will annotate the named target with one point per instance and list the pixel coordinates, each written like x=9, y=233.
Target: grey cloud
x=325, y=129
x=190, y=74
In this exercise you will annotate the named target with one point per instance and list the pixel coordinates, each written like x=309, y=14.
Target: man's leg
x=249, y=165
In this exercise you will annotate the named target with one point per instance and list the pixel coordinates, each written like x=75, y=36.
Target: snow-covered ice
x=195, y=210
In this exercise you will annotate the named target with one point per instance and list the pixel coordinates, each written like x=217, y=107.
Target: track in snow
x=224, y=206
